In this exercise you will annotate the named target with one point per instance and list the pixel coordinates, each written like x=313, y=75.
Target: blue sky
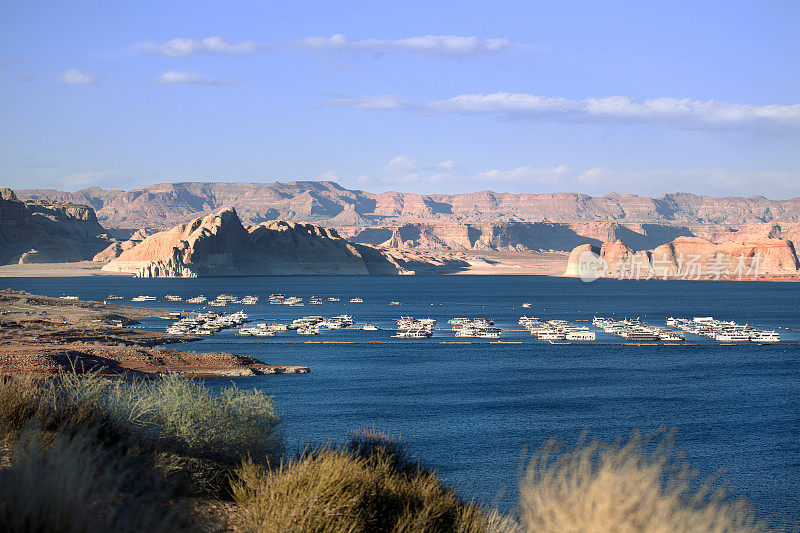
x=594, y=97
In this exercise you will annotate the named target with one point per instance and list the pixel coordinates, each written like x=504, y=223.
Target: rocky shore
x=42, y=336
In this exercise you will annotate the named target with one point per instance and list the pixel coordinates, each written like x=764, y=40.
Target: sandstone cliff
x=39, y=231
x=219, y=245
x=690, y=258
x=329, y=204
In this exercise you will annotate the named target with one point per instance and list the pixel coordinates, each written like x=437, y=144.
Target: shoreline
x=491, y=263
x=44, y=336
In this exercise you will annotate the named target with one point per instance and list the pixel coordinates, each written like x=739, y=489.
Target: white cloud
x=410, y=175
x=78, y=77
x=188, y=78
x=182, y=47
x=424, y=45
x=401, y=163
x=684, y=113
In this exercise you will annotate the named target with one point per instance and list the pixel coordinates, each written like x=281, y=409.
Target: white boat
x=310, y=330
x=173, y=298
x=394, y=303
x=551, y=335
x=478, y=332
x=639, y=336
x=527, y=305
x=316, y=300
x=114, y=297
x=196, y=300
x=370, y=327
x=333, y=299
x=412, y=333
x=356, y=301
x=339, y=322
x=580, y=336
x=732, y=336
x=671, y=336
x=765, y=336
x=140, y=298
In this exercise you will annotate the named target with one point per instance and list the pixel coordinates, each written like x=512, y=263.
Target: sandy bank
x=55, y=270
x=43, y=336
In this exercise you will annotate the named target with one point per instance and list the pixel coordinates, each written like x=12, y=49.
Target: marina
x=520, y=388
x=554, y=331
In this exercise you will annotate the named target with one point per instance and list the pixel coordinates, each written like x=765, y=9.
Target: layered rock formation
x=219, y=245
x=512, y=236
x=116, y=248
x=329, y=204
x=39, y=231
x=689, y=258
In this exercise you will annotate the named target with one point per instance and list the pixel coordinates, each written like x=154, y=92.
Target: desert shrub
x=638, y=485
x=232, y=424
x=366, y=443
x=66, y=482
x=193, y=437
x=360, y=487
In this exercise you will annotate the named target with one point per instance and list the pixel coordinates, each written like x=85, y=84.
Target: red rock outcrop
x=219, y=245
x=330, y=204
x=36, y=231
x=694, y=258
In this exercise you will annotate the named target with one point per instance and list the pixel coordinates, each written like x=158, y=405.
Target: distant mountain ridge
x=329, y=204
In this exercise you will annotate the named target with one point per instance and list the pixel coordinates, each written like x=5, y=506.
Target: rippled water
x=469, y=409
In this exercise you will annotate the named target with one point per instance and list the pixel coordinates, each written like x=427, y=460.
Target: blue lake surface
x=469, y=410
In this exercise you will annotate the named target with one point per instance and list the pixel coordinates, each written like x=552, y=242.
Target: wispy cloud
x=424, y=45
x=401, y=163
x=188, y=78
x=674, y=112
x=183, y=47
x=81, y=179
x=78, y=77
x=407, y=174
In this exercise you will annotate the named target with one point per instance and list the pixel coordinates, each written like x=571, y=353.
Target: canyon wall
x=44, y=231
x=688, y=258
x=327, y=203
x=220, y=245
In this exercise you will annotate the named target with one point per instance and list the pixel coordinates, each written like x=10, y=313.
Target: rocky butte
x=45, y=231
x=692, y=258
x=220, y=245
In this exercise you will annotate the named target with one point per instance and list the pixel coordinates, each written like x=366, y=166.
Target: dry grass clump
x=623, y=487
x=86, y=453
x=190, y=435
x=62, y=482
x=362, y=487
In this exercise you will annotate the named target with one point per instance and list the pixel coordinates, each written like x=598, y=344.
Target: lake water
x=468, y=410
